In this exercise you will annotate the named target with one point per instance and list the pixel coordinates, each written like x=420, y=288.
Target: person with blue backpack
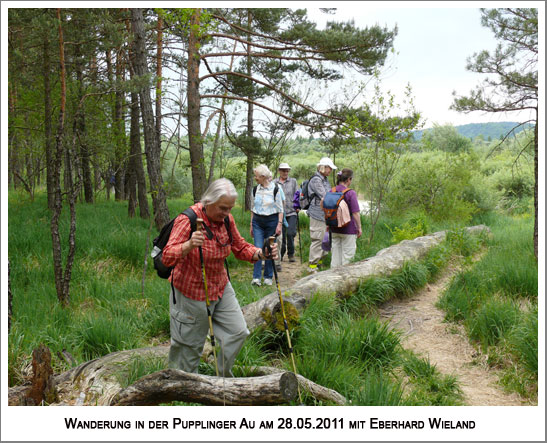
x=344, y=239
x=317, y=187
x=202, y=297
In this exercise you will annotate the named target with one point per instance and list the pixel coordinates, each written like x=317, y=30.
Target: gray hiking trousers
x=190, y=326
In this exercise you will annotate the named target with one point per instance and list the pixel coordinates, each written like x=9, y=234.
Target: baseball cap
x=325, y=161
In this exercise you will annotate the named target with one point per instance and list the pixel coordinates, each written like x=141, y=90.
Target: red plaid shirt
x=187, y=276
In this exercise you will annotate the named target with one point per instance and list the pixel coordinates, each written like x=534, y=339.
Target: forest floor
x=428, y=336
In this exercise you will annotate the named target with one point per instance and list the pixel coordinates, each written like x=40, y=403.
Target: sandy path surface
x=447, y=348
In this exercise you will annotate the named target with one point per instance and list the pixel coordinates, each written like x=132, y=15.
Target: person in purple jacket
x=344, y=240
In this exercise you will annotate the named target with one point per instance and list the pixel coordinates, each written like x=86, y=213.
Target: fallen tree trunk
x=317, y=391
x=343, y=280
x=172, y=384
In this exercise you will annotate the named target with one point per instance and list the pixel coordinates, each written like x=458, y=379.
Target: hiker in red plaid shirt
x=189, y=322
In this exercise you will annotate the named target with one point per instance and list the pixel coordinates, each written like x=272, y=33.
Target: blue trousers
x=263, y=227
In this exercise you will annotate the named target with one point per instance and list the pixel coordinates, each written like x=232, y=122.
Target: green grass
x=496, y=300
x=338, y=343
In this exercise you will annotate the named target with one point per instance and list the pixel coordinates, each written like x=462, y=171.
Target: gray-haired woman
x=266, y=218
x=189, y=320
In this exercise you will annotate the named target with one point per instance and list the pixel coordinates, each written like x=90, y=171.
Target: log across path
x=97, y=382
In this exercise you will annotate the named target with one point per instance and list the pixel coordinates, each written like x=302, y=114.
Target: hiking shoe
x=292, y=259
x=278, y=267
x=256, y=282
x=312, y=269
x=268, y=281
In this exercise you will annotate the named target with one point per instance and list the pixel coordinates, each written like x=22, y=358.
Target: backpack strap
x=227, y=225
x=192, y=216
x=276, y=188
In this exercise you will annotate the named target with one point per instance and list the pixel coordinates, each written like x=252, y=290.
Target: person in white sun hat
x=318, y=186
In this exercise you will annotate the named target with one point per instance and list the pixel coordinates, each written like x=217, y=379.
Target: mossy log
x=343, y=280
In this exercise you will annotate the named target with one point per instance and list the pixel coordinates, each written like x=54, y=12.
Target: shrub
x=434, y=183
x=417, y=225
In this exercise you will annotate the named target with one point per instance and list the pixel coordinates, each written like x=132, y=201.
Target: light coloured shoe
x=256, y=282
x=312, y=269
x=268, y=281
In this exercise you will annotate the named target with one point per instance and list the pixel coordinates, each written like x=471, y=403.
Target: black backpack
x=161, y=240
x=305, y=197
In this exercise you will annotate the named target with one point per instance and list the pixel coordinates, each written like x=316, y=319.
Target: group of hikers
x=202, y=298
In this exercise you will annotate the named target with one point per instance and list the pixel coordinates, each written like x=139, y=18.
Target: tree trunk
x=43, y=388
x=119, y=133
x=159, y=56
x=250, y=126
x=175, y=385
x=536, y=188
x=152, y=146
x=135, y=151
x=47, y=126
x=56, y=239
x=194, y=115
x=10, y=298
x=80, y=128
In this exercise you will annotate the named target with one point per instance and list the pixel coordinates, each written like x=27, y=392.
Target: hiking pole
x=299, y=242
x=199, y=227
x=285, y=323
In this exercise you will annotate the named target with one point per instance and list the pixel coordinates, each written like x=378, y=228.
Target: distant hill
x=487, y=130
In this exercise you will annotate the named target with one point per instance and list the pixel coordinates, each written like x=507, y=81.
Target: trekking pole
x=199, y=227
x=285, y=323
x=299, y=241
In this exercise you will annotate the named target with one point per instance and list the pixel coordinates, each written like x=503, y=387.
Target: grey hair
x=322, y=168
x=263, y=171
x=221, y=187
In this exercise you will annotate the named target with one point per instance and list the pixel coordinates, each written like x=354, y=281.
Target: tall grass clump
x=428, y=386
x=523, y=341
x=492, y=321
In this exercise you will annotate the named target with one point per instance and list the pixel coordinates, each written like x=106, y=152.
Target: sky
x=432, y=47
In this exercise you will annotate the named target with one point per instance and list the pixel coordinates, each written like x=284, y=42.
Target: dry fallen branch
x=175, y=385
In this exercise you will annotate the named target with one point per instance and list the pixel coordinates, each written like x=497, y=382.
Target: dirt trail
x=425, y=333
x=445, y=346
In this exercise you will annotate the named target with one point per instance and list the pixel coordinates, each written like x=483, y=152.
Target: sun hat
x=284, y=166
x=325, y=161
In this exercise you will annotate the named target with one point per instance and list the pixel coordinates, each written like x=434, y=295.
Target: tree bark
x=194, y=114
x=10, y=298
x=80, y=128
x=536, y=188
x=118, y=125
x=159, y=58
x=56, y=239
x=42, y=388
x=152, y=145
x=175, y=385
x=137, y=178
x=47, y=125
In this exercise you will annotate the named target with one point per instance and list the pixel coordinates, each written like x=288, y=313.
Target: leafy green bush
x=434, y=183
x=417, y=225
